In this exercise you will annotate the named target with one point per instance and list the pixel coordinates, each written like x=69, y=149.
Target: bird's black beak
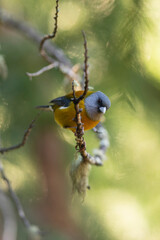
x=102, y=109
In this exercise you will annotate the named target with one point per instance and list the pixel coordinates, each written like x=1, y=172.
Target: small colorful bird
x=93, y=107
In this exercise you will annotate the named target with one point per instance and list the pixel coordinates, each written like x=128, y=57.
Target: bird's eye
x=100, y=101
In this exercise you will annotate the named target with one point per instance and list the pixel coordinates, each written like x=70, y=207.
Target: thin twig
x=80, y=142
x=9, y=218
x=69, y=72
x=79, y=171
x=24, y=139
x=56, y=55
x=85, y=68
x=79, y=133
x=86, y=79
x=33, y=230
x=11, y=22
x=42, y=70
x=49, y=36
x=14, y=197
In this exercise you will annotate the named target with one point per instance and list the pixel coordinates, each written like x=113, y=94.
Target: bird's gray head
x=96, y=105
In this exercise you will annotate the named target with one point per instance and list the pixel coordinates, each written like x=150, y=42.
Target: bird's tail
x=45, y=108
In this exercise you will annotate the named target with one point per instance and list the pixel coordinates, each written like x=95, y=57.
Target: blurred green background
x=124, y=48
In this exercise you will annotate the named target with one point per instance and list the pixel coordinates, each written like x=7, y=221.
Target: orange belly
x=65, y=117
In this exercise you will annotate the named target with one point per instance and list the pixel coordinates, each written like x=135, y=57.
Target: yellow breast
x=64, y=116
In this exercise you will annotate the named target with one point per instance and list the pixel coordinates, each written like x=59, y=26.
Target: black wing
x=61, y=101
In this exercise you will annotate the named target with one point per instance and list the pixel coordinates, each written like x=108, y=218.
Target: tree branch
x=80, y=142
x=14, y=197
x=55, y=54
x=33, y=230
x=49, y=36
x=100, y=153
x=42, y=70
x=85, y=69
x=9, y=218
x=7, y=20
x=79, y=171
x=24, y=139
